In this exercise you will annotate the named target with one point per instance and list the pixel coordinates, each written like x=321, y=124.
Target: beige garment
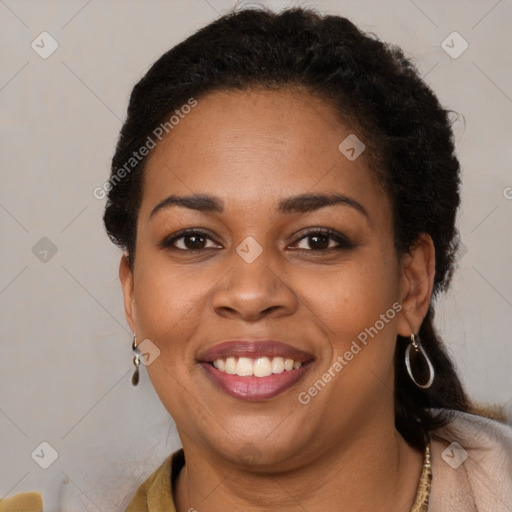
x=482, y=482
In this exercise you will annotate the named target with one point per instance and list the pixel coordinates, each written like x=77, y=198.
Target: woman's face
x=257, y=281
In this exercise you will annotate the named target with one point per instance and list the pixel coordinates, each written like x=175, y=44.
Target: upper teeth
x=260, y=367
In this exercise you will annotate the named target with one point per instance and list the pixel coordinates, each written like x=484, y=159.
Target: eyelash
x=344, y=243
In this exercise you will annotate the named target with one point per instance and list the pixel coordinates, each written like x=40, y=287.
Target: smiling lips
x=254, y=370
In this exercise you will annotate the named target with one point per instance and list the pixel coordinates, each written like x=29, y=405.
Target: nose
x=253, y=291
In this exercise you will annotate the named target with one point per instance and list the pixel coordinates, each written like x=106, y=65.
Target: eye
x=321, y=240
x=188, y=240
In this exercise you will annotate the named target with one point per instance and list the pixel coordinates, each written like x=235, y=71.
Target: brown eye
x=323, y=240
x=318, y=241
x=188, y=241
x=194, y=241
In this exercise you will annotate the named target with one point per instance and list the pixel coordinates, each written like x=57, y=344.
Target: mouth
x=254, y=370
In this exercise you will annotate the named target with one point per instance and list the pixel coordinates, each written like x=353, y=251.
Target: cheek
x=168, y=303
x=359, y=314
x=352, y=298
x=357, y=307
x=166, y=294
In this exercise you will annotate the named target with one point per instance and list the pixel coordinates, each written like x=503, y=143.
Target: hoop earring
x=414, y=359
x=136, y=361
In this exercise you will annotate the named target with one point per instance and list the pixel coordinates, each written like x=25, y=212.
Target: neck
x=377, y=470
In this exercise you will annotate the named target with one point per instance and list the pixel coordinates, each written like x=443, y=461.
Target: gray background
x=65, y=362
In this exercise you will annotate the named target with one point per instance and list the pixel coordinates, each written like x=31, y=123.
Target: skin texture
x=341, y=451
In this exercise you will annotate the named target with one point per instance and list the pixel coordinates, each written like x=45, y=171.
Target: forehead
x=256, y=145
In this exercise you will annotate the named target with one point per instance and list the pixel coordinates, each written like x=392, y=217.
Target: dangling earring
x=419, y=360
x=136, y=362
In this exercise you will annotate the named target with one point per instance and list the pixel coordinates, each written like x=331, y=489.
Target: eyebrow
x=301, y=203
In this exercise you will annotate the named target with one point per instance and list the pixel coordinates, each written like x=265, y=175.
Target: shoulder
x=155, y=493
x=27, y=501
x=472, y=465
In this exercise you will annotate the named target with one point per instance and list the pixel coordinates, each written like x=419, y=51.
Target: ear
x=416, y=285
x=126, y=278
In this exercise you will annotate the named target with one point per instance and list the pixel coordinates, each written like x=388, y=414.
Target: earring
x=418, y=359
x=136, y=361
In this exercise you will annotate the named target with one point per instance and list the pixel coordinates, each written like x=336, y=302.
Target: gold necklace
x=423, y=492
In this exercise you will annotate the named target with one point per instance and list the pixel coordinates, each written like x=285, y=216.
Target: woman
x=285, y=191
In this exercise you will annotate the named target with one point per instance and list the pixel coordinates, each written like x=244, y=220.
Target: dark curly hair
x=369, y=84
